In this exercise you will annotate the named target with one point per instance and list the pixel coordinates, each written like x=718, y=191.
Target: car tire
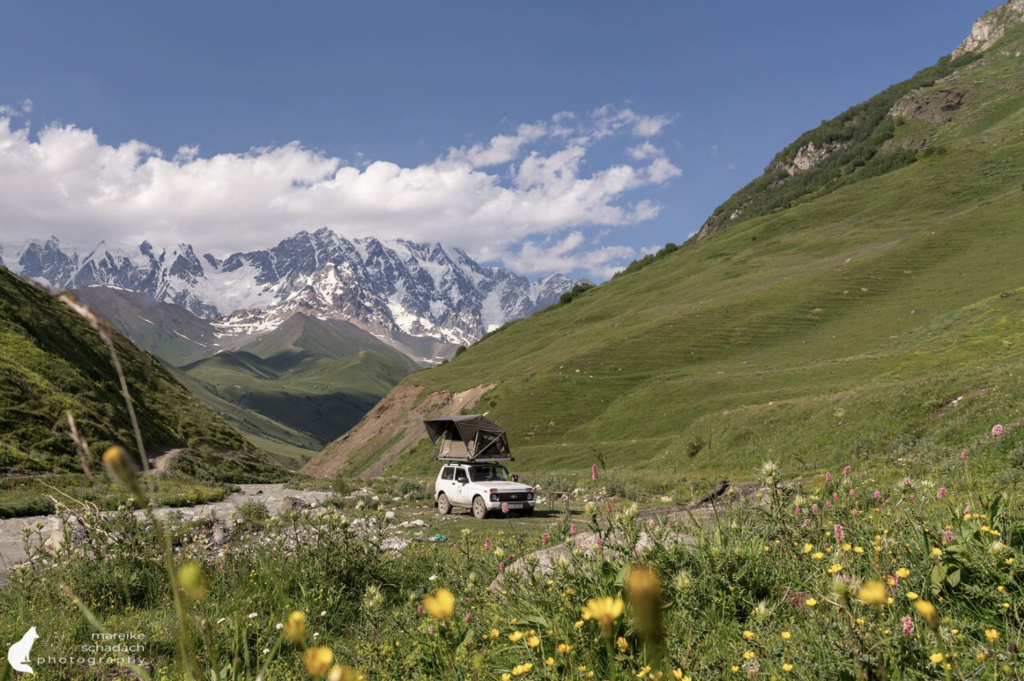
x=444, y=507
x=479, y=508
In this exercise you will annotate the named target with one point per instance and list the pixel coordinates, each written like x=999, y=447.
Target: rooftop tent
x=468, y=438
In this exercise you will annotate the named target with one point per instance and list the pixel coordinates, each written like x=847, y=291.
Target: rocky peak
x=991, y=28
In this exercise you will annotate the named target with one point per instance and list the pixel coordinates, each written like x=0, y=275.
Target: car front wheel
x=479, y=508
x=444, y=507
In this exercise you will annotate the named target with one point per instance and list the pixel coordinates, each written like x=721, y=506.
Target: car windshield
x=489, y=473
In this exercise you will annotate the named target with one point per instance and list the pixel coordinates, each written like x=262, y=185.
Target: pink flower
x=854, y=511
x=593, y=472
x=913, y=498
x=807, y=521
x=608, y=506
x=430, y=630
x=877, y=495
x=504, y=507
x=467, y=617
x=598, y=541
x=851, y=492
x=967, y=510
x=837, y=531
x=941, y=494
x=963, y=455
x=895, y=580
x=798, y=511
x=487, y=544
x=572, y=529
x=501, y=566
x=828, y=477
x=650, y=524
x=846, y=471
x=814, y=508
x=906, y=482
x=948, y=536
x=908, y=625
x=419, y=609
x=544, y=538
x=835, y=496
x=828, y=504
x=997, y=430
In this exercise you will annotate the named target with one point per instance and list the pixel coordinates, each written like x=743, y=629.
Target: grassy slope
x=309, y=377
x=51, y=362
x=830, y=329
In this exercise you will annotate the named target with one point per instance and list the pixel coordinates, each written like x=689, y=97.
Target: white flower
x=323, y=614
x=433, y=578
x=316, y=635
x=279, y=626
x=253, y=615
x=221, y=620
x=266, y=651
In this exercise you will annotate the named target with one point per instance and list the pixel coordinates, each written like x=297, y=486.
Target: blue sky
x=711, y=90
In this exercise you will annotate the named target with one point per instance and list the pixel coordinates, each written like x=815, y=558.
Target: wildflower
x=605, y=609
x=947, y=536
x=908, y=625
x=854, y=511
x=798, y=511
x=295, y=626
x=835, y=496
x=834, y=568
x=1008, y=561
x=839, y=532
x=808, y=548
x=872, y=593
x=532, y=641
x=927, y=611
x=852, y=493
x=814, y=508
x=504, y=507
x=622, y=644
x=828, y=477
x=906, y=482
x=544, y=538
x=683, y=581
x=936, y=658
x=549, y=661
x=903, y=573
x=911, y=596
x=468, y=616
x=501, y=566
x=678, y=675
x=118, y=465
x=807, y=521
x=563, y=648
x=997, y=430
x=487, y=544
x=787, y=667
x=846, y=471
x=572, y=529
x=506, y=677
x=963, y=455
x=810, y=602
x=441, y=605
x=317, y=660
x=515, y=636
x=858, y=549
x=992, y=635
x=877, y=495
x=593, y=472
x=828, y=504
x=192, y=582
x=941, y=494
x=340, y=672
x=786, y=635
x=936, y=551
x=818, y=555
x=749, y=635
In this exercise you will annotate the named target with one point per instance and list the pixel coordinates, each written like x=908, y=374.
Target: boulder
x=294, y=504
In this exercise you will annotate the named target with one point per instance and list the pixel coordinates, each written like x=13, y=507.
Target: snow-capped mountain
x=422, y=290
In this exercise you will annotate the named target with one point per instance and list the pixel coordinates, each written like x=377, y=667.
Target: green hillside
x=879, y=319
x=311, y=377
x=53, y=362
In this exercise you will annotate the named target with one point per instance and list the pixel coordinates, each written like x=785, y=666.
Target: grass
x=858, y=302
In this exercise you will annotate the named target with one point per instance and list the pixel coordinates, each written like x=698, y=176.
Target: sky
x=542, y=136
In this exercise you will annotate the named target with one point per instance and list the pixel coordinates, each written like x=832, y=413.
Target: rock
x=218, y=535
x=72, y=530
x=374, y=498
x=294, y=504
x=390, y=515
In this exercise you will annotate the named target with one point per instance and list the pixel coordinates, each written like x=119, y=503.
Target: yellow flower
x=515, y=636
x=295, y=626
x=506, y=677
x=642, y=582
x=1008, y=561
x=118, y=465
x=903, y=573
x=579, y=624
x=563, y=648
x=340, y=672
x=521, y=669
x=622, y=644
x=836, y=567
x=735, y=668
x=749, y=655
x=786, y=635
x=678, y=675
x=749, y=635
x=605, y=609
x=818, y=555
x=787, y=667
x=317, y=660
x=857, y=549
x=811, y=602
x=532, y=641
x=911, y=596
x=927, y=611
x=441, y=605
x=808, y=548
x=495, y=633
x=992, y=635
x=936, y=551
x=549, y=661
x=936, y=658
x=643, y=672
x=872, y=593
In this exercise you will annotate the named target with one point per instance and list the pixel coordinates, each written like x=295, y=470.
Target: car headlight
x=494, y=497
x=529, y=497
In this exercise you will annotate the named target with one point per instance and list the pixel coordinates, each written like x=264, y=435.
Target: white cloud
x=609, y=120
x=644, y=151
x=27, y=105
x=64, y=181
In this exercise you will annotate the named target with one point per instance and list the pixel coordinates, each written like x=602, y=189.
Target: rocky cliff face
x=991, y=27
x=418, y=289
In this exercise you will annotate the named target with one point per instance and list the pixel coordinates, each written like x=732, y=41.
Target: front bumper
x=513, y=505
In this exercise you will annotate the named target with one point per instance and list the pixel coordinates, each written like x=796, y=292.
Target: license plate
x=516, y=505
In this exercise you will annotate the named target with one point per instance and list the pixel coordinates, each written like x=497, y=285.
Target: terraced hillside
x=52, y=362
x=880, y=319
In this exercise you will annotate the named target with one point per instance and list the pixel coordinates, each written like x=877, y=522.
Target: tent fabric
x=483, y=437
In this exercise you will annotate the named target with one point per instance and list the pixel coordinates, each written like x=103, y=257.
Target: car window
x=460, y=475
x=489, y=474
x=448, y=473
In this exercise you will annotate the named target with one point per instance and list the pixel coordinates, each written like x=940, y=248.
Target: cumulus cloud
x=522, y=198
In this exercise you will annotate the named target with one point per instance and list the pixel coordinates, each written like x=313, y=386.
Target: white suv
x=483, y=487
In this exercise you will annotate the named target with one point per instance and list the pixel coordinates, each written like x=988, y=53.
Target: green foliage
x=648, y=259
x=575, y=292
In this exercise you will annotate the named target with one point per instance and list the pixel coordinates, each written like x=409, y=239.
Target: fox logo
x=18, y=654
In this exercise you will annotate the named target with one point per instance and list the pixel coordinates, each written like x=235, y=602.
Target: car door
x=461, y=488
